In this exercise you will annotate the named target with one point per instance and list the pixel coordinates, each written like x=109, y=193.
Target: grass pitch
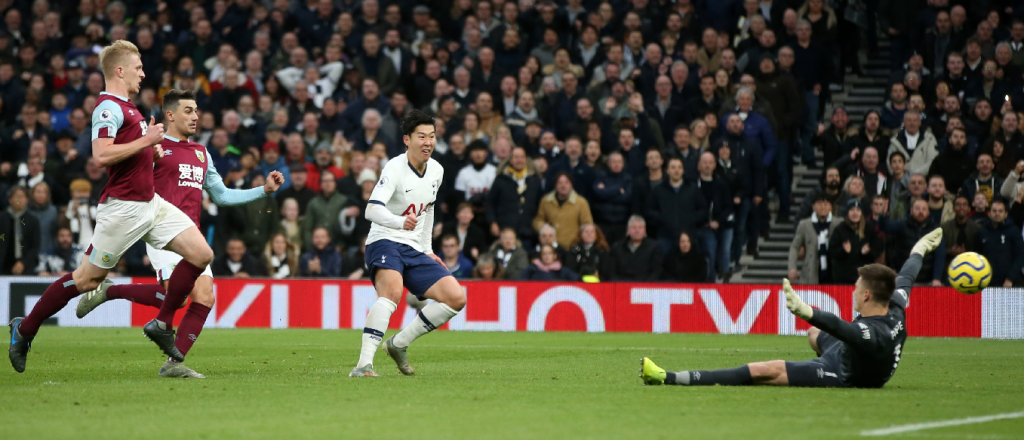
x=290, y=384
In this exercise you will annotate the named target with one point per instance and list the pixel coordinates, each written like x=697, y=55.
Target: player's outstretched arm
x=908, y=273
x=223, y=196
x=827, y=322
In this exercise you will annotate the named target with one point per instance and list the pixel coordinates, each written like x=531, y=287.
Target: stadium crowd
x=629, y=140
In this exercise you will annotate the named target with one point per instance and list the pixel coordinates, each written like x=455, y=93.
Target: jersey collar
x=116, y=96
x=172, y=138
x=414, y=168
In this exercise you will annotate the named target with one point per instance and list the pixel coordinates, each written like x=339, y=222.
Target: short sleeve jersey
x=117, y=118
x=403, y=191
x=179, y=177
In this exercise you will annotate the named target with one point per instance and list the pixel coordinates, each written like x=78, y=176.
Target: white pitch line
x=940, y=424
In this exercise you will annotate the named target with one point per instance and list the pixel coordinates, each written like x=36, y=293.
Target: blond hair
x=116, y=55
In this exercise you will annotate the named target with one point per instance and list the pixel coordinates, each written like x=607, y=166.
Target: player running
x=859, y=354
x=180, y=178
x=128, y=211
x=398, y=248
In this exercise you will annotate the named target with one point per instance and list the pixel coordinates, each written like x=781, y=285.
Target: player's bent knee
x=812, y=339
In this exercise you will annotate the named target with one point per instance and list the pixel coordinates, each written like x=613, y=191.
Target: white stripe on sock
x=376, y=324
x=435, y=314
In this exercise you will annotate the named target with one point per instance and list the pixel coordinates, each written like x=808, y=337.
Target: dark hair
x=449, y=236
x=171, y=98
x=14, y=189
x=414, y=119
x=997, y=199
x=880, y=280
x=672, y=158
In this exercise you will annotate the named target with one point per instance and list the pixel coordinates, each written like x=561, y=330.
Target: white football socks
x=373, y=333
x=431, y=317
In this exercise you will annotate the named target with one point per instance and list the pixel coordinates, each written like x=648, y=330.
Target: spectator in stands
x=280, y=258
x=574, y=164
x=982, y=181
x=487, y=269
x=548, y=267
x=962, y=233
x=853, y=190
x=1001, y=244
x=509, y=254
x=589, y=253
x=19, y=252
x=62, y=258
x=645, y=184
x=676, y=207
x=685, y=263
x=322, y=260
x=471, y=238
x=324, y=210
x=811, y=244
x=901, y=236
x=272, y=161
x=371, y=64
x=548, y=237
x=717, y=236
x=291, y=224
x=514, y=196
x=812, y=69
x=298, y=191
x=45, y=213
x=613, y=197
x=474, y=180
x=953, y=164
x=911, y=141
x=681, y=147
x=636, y=257
x=838, y=140
x=940, y=202
x=563, y=209
x=894, y=109
x=236, y=262
x=747, y=160
x=454, y=260
x=916, y=188
x=1009, y=132
x=81, y=212
x=831, y=186
x=854, y=243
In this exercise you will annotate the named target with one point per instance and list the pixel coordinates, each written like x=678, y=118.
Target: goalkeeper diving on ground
x=859, y=354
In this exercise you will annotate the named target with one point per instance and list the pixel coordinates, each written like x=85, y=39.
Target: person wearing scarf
x=811, y=244
x=548, y=268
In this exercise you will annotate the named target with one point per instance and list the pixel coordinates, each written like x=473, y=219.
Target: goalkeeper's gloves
x=794, y=303
x=928, y=243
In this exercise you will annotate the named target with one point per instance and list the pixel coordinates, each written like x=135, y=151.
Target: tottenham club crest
x=201, y=155
x=434, y=186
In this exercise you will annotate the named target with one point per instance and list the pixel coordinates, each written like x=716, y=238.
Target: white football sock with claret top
x=373, y=333
x=431, y=317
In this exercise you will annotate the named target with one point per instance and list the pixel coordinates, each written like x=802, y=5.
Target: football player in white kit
x=398, y=248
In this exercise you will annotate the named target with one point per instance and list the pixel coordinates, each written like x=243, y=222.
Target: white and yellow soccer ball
x=969, y=273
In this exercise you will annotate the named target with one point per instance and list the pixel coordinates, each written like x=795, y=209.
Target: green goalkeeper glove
x=928, y=243
x=794, y=303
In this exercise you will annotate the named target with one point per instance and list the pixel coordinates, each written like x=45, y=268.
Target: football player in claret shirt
x=398, y=248
x=859, y=354
x=180, y=178
x=129, y=210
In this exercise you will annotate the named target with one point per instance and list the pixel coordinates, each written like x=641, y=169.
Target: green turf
x=286, y=384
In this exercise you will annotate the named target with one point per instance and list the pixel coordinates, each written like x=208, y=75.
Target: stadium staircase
x=859, y=95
